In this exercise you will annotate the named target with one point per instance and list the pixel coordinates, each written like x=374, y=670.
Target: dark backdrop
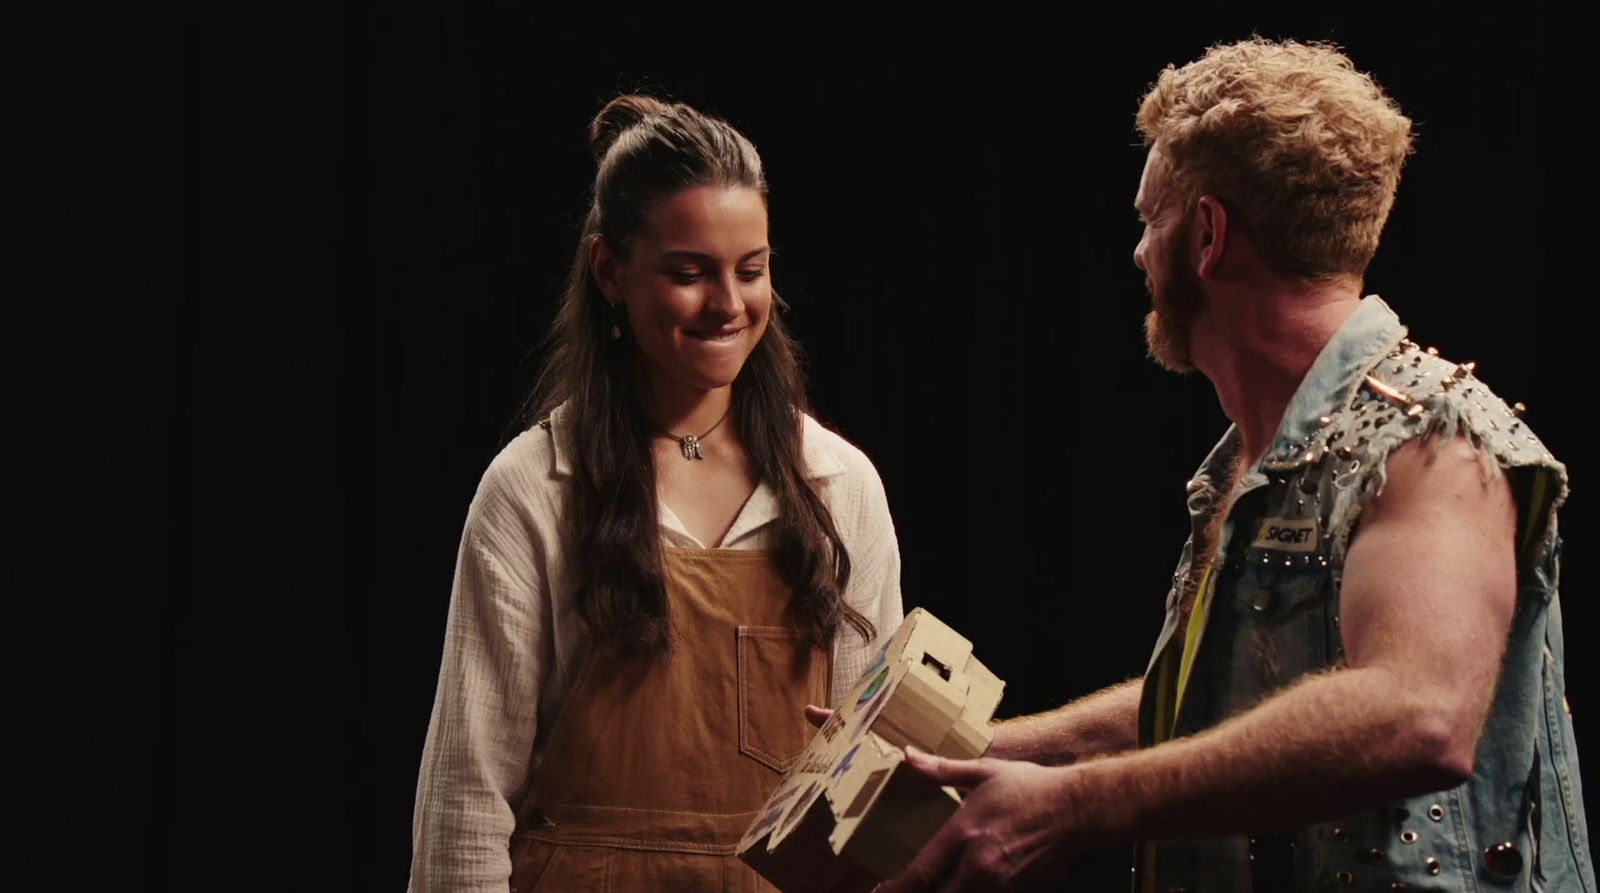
x=286, y=278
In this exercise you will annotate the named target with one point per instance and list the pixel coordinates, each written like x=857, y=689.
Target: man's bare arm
x=1098, y=725
x=1427, y=601
x=1428, y=595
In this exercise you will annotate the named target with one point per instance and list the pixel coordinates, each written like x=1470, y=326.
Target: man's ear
x=1211, y=234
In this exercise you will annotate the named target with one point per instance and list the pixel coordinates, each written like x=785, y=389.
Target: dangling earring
x=616, y=327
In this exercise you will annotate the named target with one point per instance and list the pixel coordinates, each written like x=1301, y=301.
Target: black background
x=285, y=277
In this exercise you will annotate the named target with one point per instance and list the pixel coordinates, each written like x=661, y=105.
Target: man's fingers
x=953, y=773
x=962, y=880
x=926, y=873
x=816, y=715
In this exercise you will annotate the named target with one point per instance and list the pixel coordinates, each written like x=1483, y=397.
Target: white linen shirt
x=514, y=639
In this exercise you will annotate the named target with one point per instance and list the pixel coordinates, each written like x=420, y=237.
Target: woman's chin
x=703, y=379
x=712, y=382
x=700, y=373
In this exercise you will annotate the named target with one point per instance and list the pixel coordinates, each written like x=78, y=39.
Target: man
x=1359, y=682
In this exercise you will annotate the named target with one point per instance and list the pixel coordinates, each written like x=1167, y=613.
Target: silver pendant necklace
x=689, y=443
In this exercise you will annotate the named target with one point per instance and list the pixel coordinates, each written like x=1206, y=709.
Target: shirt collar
x=1370, y=333
x=816, y=453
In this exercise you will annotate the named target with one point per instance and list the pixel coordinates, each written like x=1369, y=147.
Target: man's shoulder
x=1416, y=395
x=1419, y=392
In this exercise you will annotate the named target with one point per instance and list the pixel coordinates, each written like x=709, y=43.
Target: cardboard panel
x=849, y=812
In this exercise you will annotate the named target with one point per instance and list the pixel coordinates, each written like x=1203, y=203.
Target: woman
x=656, y=578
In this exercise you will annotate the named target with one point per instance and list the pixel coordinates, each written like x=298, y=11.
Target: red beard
x=1175, y=300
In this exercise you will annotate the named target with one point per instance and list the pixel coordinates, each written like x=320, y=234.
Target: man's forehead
x=1152, y=181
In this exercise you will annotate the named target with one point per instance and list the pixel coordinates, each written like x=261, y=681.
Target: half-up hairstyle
x=648, y=151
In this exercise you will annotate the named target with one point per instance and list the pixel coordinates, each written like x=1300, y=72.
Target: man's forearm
x=1104, y=723
x=1332, y=744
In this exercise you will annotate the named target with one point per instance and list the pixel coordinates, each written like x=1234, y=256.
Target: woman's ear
x=606, y=269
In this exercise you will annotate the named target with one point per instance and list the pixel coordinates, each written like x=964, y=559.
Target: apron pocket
x=778, y=675
x=538, y=866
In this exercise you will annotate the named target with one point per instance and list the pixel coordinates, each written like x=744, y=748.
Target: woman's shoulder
x=524, y=479
x=830, y=456
x=529, y=459
x=849, y=484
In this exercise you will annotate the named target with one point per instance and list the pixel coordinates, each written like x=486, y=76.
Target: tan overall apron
x=655, y=766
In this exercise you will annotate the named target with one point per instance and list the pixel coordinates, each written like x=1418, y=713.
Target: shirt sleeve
x=485, y=711
x=874, y=589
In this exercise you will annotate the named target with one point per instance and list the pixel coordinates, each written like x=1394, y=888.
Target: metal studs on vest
x=1433, y=865
x=1348, y=478
x=1408, y=836
x=1346, y=878
x=1436, y=812
x=1502, y=860
x=1341, y=835
x=1371, y=857
x=1263, y=601
x=1398, y=886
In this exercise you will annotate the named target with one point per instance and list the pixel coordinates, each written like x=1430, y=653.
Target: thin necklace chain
x=689, y=443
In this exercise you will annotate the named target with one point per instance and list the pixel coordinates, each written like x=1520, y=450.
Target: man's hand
x=1013, y=827
x=817, y=715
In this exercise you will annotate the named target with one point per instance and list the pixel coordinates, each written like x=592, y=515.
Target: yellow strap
x=1146, y=861
x=1163, y=712
x=1537, y=506
x=1191, y=637
x=1170, y=676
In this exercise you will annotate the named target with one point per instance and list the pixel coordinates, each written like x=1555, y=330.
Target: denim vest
x=1271, y=616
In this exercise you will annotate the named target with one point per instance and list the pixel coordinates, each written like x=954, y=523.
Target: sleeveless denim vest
x=1272, y=616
